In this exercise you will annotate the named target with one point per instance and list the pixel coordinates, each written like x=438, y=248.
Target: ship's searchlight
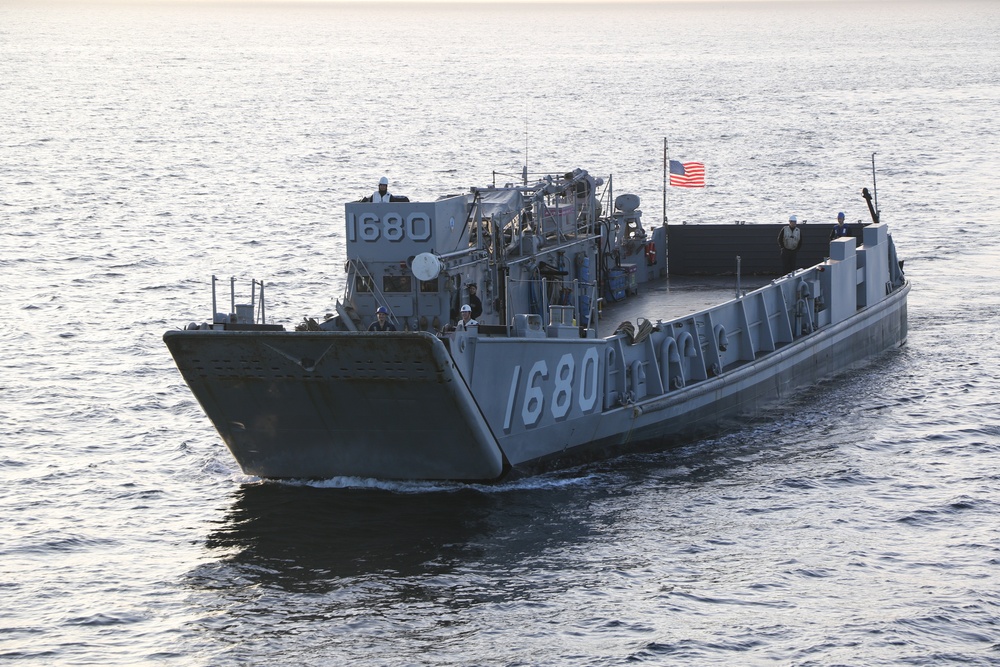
x=426, y=266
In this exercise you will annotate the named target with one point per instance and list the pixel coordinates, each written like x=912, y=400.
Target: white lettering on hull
x=369, y=227
x=556, y=390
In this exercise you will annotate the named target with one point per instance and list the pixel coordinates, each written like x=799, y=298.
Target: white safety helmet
x=792, y=218
x=383, y=181
x=466, y=308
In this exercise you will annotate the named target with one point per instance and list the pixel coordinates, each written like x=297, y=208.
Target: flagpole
x=664, y=181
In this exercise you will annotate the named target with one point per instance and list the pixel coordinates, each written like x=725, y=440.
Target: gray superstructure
x=541, y=380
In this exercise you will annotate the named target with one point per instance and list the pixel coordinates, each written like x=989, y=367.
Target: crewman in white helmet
x=789, y=240
x=381, y=196
x=466, y=321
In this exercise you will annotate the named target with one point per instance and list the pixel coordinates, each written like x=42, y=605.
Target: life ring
x=651, y=253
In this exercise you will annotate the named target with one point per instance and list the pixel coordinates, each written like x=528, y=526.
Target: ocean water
x=146, y=147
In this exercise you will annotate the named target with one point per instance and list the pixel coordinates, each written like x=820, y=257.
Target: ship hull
x=414, y=406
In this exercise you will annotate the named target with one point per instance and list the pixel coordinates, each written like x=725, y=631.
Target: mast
x=524, y=171
x=874, y=186
x=665, y=170
x=872, y=209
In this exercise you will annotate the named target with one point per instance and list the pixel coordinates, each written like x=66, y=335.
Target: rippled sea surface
x=145, y=148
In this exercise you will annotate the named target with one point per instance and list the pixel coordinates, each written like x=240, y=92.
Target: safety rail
x=242, y=313
x=581, y=298
x=361, y=269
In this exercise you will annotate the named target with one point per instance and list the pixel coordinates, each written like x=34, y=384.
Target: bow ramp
x=327, y=404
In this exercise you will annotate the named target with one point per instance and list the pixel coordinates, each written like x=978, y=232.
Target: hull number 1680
x=556, y=393
x=391, y=226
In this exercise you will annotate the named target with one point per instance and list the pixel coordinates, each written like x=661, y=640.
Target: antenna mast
x=524, y=171
x=874, y=184
x=664, y=181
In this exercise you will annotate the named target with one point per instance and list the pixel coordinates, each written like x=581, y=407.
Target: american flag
x=687, y=174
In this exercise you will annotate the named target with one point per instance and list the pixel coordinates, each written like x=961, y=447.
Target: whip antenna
x=872, y=208
x=874, y=185
x=665, y=170
x=524, y=171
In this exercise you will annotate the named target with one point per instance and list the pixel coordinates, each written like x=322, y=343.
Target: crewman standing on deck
x=382, y=322
x=789, y=240
x=467, y=320
x=382, y=196
x=474, y=302
x=841, y=228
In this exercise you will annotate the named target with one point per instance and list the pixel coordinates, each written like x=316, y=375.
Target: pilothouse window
x=429, y=286
x=397, y=284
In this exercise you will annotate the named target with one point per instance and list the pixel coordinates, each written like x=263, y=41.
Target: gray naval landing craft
x=534, y=384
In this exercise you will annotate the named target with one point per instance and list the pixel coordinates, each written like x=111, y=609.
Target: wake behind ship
x=534, y=378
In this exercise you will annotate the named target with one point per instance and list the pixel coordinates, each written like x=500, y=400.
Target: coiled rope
x=635, y=337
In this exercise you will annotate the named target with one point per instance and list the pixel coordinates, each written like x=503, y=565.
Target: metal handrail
x=359, y=267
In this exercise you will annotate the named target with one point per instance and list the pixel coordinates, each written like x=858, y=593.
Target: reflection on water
x=295, y=535
x=346, y=568
x=292, y=536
